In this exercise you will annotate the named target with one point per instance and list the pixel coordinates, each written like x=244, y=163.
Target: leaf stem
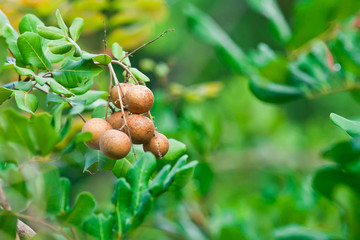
x=126, y=68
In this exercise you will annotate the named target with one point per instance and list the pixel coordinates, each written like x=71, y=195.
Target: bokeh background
x=256, y=159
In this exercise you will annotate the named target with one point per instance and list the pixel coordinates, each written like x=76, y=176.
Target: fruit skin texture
x=115, y=96
x=158, y=145
x=115, y=144
x=139, y=99
x=116, y=119
x=97, y=127
x=141, y=128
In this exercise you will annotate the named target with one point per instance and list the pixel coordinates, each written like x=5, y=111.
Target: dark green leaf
x=29, y=45
x=83, y=87
x=157, y=185
x=58, y=88
x=99, y=226
x=29, y=23
x=52, y=33
x=8, y=223
x=350, y=126
x=270, y=9
x=61, y=22
x=121, y=198
x=61, y=48
x=26, y=102
x=122, y=166
x=82, y=210
x=97, y=157
x=274, y=92
x=344, y=153
x=4, y=94
x=74, y=73
x=76, y=28
x=183, y=175
x=178, y=165
x=65, y=192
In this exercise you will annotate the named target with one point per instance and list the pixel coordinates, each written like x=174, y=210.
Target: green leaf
x=8, y=224
x=76, y=28
x=139, y=176
x=3, y=20
x=52, y=33
x=83, y=88
x=101, y=58
x=344, y=153
x=73, y=73
x=270, y=9
x=274, y=92
x=26, y=102
x=97, y=157
x=45, y=186
x=89, y=97
x=24, y=71
x=29, y=23
x=61, y=23
x=176, y=150
x=4, y=94
x=210, y=32
x=139, y=75
x=99, y=226
x=157, y=185
x=82, y=210
x=121, y=198
x=183, y=175
x=40, y=80
x=65, y=192
x=24, y=86
x=297, y=232
x=11, y=36
x=122, y=166
x=44, y=136
x=178, y=165
x=3, y=54
x=29, y=45
x=117, y=51
x=350, y=126
x=58, y=88
x=99, y=112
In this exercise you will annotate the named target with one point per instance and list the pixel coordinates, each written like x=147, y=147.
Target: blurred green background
x=256, y=159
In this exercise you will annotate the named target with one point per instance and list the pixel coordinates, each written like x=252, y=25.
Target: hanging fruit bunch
x=132, y=123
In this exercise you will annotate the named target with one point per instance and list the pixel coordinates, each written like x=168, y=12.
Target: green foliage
x=7, y=225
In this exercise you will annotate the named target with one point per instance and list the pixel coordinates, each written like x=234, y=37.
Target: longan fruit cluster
x=115, y=135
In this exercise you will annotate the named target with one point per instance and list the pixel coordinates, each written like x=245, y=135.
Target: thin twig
x=74, y=233
x=108, y=100
x=117, y=84
x=32, y=87
x=126, y=69
x=145, y=44
x=4, y=203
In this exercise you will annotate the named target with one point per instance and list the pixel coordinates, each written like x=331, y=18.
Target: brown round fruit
x=97, y=127
x=141, y=128
x=115, y=144
x=139, y=99
x=116, y=119
x=123, y=90
x=158, y=145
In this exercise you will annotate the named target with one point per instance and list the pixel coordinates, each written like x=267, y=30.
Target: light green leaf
x=297, y=232
x=97, y=157
x=89, y=97
x=99, y=226
x=101, y=58
x=82, y=210
x=61, y=23
x=176, y=150
x=178, y=165
x=11, y=36
x=8, y=223
x=119, y=53
x=26, y=101
x=3, y=54
x=24, y=71
x=76, y=28
x=65, y=192
x=4, y=94
x=73, y=73
x=182, y=176
x=139, y=75
x=29, y=45
x=3, y=20
x=83, y=88
x=41, y=80
x=121, y=198
x=52, y=33
x=350, y=126
x=29, y=23
x=58, y=88
x=24, y=86
x=61, y=48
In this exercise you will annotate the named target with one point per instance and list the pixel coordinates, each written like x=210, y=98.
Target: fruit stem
x=108, y=99
x=117, y=84
x=126, y=68
x=156, y=140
